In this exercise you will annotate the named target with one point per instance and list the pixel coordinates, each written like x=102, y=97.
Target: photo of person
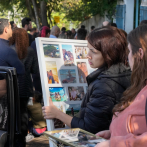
x=57, y=94
x=52, y=74
x=68, y=55
x=73, y=109
x=51, y=50
x=76, y=93
x=81, y=52
x=68, y=75
x=83, y=72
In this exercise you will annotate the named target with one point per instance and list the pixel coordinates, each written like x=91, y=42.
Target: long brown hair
x=137, y=39
x=111, y=42
x=21, y=40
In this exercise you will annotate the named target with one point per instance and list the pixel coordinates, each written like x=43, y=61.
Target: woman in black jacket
x=107, y=52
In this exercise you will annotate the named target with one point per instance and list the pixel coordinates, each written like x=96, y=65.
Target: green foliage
x=84, y=9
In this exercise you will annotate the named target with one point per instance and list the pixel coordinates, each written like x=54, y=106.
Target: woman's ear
x=141, y=52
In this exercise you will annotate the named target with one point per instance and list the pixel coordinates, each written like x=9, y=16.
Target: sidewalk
x=41, y=141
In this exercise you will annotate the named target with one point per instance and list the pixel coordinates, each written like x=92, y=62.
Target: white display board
x=63, y=70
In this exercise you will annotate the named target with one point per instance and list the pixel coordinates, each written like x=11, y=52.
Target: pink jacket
x=129, y=129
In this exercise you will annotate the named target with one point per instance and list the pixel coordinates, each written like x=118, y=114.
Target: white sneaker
x=29, y=137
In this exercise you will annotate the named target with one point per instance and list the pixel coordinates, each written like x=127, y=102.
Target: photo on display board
x=57, y=94
x=58, y=123
x=81, y=52
x=52, y=74
x=51, y=50
x=68, y=55
x=76, y=93
x=68, y=75
x=73, y=109
x=82, y=71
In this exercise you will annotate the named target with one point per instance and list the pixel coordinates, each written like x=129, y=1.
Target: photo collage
x=66, y=70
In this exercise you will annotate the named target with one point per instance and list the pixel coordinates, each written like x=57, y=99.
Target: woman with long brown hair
x=20, y=43
x=129, y=125
x=107, y=54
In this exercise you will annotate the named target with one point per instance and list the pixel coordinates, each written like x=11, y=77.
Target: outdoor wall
x=94, y=21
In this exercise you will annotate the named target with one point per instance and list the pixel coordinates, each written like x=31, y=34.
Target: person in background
x=113, y=24
x=20, y=44
x=131, y=112
x=63, y=33
x=33, y=30
x=27, y=25
x=73, y=32
x=44, y=32
x=82, y=26
x=55, y=32
x=13, y=25
x=38, y=124
x=69, y=35
x=107, y=54
x=81, y=34
x=8, y=56
x=92, y=28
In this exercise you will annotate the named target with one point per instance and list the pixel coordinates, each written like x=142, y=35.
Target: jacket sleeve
x=129, y=141
x=13, y=60
x=98, y=111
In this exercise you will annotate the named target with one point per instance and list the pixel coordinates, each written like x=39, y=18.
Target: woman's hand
x=103, y=144
x=104, y=134
x=51, y=111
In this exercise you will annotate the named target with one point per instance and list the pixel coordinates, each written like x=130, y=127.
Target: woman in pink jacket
x=129, y=125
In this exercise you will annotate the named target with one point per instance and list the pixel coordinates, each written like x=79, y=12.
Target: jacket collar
x=90, y=78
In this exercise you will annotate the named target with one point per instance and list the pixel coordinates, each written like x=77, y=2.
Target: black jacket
x=105, y=88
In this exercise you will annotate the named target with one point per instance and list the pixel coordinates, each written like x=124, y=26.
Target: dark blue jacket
x=8, y=57
x=105, y=88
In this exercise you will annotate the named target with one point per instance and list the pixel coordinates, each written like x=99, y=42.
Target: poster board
x=63, y=69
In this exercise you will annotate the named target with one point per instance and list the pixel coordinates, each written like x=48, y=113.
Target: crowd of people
x=115, y=104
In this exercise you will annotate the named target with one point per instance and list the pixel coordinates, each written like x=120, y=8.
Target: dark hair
x=92, y=27
x=143, y=22
x=25, y=21
x=20, y=44
x=33, y=29
x=82, y=26
x=63, y=29
x=113, y=24
x=111, y=42
x=3, y=23
x=37, y=96
x=81, y=34
x=137, y=39
x=11, y=23
x=69, y=34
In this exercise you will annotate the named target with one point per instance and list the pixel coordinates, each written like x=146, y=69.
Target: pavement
x=41, y=141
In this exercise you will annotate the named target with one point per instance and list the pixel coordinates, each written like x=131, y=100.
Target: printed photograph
x=51, y=50
x=82, y=71
x=81, y=52
x=73, y=109
x=68, y=55
x=52, y=74
x=58, y=123
x=57, y=94
x=76, y=93
x=68, y=75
